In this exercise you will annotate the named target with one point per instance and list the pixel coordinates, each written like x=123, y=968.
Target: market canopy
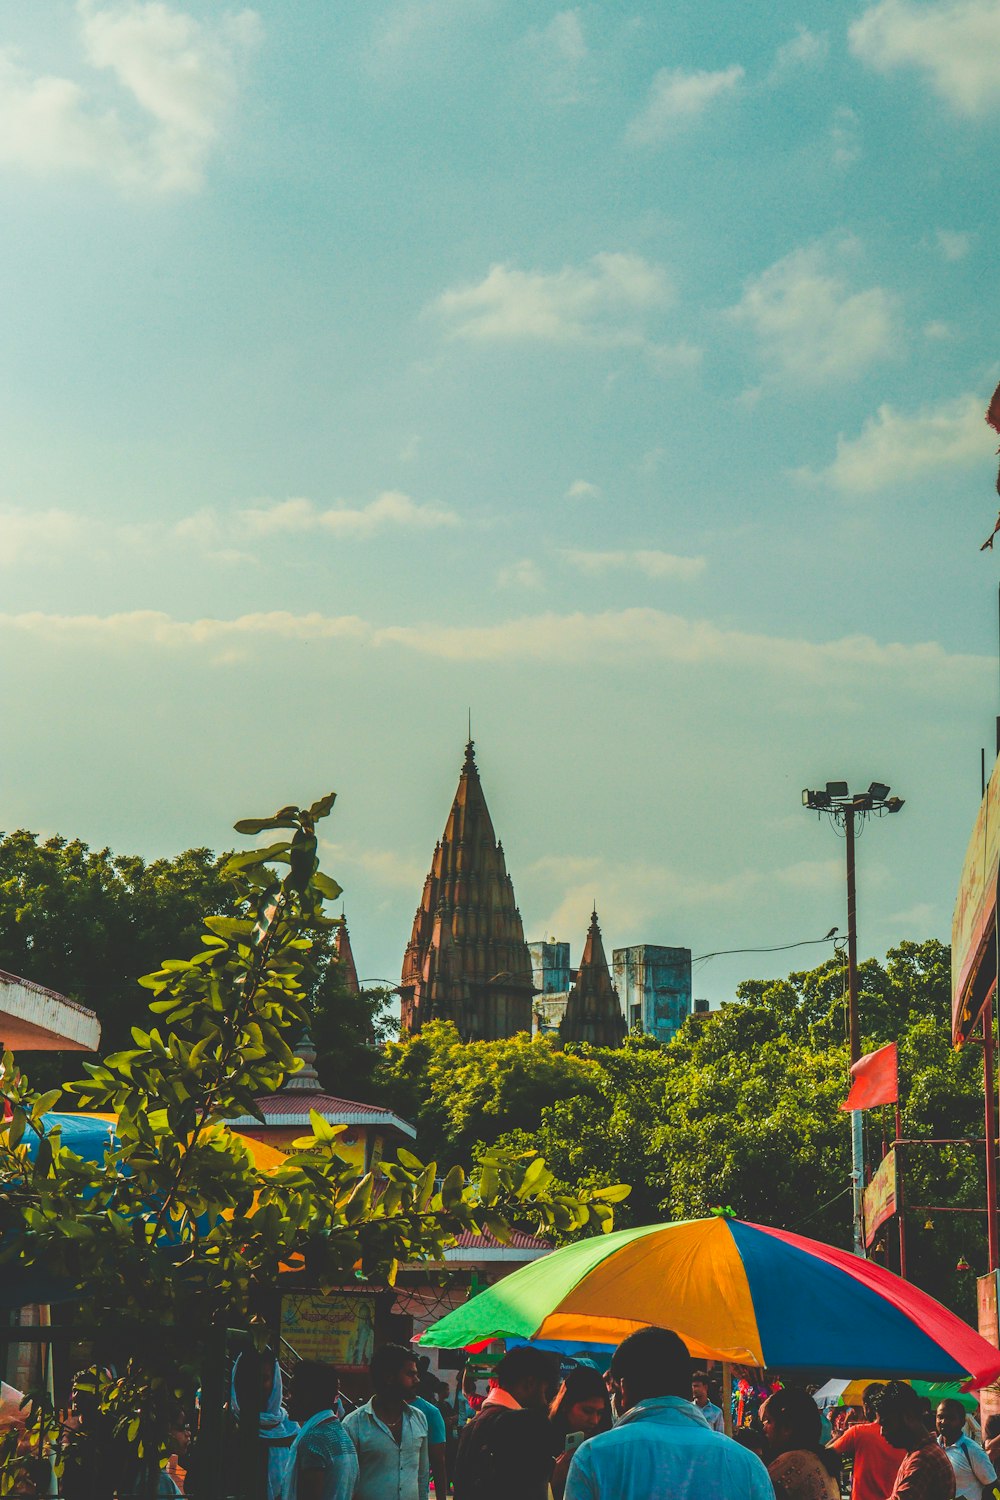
x=736, y=1292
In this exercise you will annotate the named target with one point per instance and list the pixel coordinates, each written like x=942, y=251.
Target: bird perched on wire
x=831, y=934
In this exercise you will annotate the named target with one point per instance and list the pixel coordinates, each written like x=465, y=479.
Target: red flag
x=875, y=1079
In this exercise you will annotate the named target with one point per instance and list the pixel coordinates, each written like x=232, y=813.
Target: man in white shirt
x=390, y=1435
x=662, y=1448
x=699, y=1394
x=972, y=1467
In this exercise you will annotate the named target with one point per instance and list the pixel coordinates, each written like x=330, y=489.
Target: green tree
x=89, y=923
x=741, y=1110
x=176, y=1232
x=461, y=1095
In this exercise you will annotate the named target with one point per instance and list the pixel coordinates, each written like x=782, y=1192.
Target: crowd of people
x=648, y=1429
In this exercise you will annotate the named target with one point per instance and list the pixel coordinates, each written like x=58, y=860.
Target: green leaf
x=327, y=886
x=453, y=1187
x=616, y=1194
x=323, y=807
x=258, y=825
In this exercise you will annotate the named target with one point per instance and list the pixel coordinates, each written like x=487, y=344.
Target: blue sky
x=617, y=371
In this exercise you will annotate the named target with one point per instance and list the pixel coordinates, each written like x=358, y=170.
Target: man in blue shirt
x=699, y=1394
x=390, y=1435
x=661, y=1448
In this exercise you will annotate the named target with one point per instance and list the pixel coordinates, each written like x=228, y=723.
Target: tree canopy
x=175, y=1235
x=89, y=923
x=740, y=1111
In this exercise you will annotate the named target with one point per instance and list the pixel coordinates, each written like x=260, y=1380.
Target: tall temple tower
x=467, y=960
x=593, y=1012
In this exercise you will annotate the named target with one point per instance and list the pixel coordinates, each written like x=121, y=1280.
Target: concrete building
x=550, y=970
x=655, y=988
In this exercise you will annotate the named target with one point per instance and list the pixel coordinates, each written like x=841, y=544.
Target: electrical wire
x=779, y=948
x=844, y=1193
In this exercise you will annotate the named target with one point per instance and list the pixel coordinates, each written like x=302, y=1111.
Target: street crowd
x=647, y=1430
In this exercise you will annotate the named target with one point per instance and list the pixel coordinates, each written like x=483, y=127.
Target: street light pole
x=844, y=808
x=857, y=1118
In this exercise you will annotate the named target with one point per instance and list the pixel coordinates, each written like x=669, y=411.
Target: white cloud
x=602, y=303
x=525, y=574
x=391, y=509
x=806, y=49
x=894, y=448
x=385, y=867
x=557, y=54
x=937, y=330
x=149, y=627
x=409, y=29
x=28, y=534
x=582, y=489
x=954, y=244
x=176, y=80
x=631, y=894
x=845, y=136
x=811, y=327
x=677, y=97
x=954, y=44
x=652, y=563
x=621, y=637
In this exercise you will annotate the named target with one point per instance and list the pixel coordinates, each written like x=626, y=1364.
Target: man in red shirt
x=925, y=1473
x=876, y=1464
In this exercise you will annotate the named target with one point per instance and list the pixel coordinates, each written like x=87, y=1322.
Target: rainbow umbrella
x=735, y=1292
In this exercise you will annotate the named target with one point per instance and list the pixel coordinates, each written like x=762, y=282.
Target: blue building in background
x=654, y=984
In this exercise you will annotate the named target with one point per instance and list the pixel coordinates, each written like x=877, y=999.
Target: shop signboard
x=987, y=1302
x=974, y=918
x=338, y=1329
x=880, y=1197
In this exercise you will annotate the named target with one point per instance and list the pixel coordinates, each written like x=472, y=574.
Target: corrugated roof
x=486, y=1241
x=292, y=1108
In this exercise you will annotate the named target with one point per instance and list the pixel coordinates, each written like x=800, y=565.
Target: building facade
x=655, y=987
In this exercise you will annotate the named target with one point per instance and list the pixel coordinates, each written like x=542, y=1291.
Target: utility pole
x=844, y=807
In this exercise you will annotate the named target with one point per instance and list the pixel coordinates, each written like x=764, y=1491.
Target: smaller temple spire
x=345, y=958
x=593, y=1011
x=306, y=1080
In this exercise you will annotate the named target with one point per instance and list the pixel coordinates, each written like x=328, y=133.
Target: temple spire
x=593, y=1011
x=345, y=958
x=467, y=960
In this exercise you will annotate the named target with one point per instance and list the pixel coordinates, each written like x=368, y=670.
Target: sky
x=615, y=373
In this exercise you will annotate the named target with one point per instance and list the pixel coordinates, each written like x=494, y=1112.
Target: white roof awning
x=34, y=1019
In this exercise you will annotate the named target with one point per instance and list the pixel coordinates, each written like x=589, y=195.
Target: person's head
x=529, y=1375
x=394, y=1373
x=752, y=1438
x=582, y=1403
x=791, y=1421
x=253, y=1379
x=991, y=1427
x=178, y=1432
x=651, y=1362
x=900, y=1416
x=315, y=1385
x=950, y=1420
x=869, y=1399
x=699, y=1388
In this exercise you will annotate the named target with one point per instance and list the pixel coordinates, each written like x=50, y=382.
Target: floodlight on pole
x=843, y=808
